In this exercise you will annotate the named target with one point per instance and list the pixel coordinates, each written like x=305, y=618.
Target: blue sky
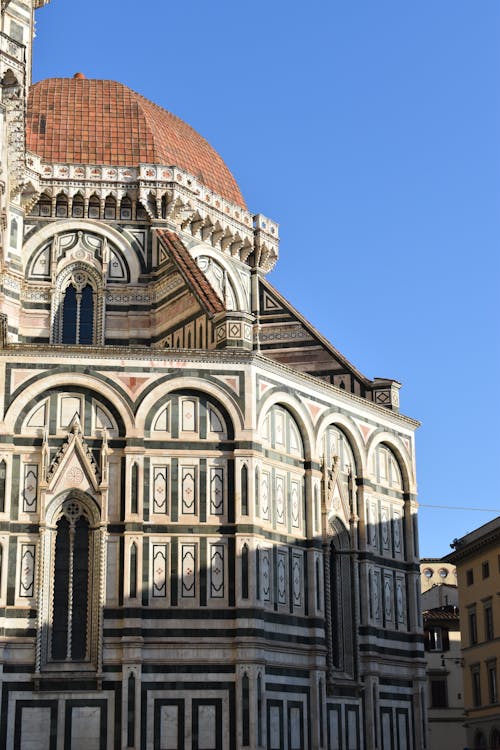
x=371, y=133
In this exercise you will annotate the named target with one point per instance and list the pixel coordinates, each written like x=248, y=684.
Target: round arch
x=400, y=452
x=170, y=384
x=123, y=243
x=34, y=389
x=242, y=299
x=296, y=409
x=351, y=432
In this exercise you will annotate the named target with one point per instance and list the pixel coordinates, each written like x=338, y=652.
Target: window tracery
x=77, y=306
x=70, y=599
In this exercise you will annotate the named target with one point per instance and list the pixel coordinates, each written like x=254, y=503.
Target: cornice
x=214, y=357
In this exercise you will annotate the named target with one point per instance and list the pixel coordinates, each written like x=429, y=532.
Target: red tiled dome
x=87, y=121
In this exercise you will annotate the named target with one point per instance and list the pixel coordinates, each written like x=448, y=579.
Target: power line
x=459, y=507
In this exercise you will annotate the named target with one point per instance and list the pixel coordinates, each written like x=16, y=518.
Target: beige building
x=208, y=516
x=477, y=558
x=443, y=655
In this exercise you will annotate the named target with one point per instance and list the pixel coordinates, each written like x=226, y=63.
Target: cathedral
x=208, y=516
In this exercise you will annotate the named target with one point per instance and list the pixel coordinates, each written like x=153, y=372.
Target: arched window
x=385, y=468
x=78, y=206
x=110, y=208
x=61, y=206
x=339, y=603
x=77, y=306
x=43, y=207
x=140, y=211
x=94, y=207
x=71, y=576
x=78, y=315
x=126, y=208
x=70, y=624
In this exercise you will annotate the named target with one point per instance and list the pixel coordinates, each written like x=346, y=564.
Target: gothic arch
x=339, y=602
x=87, y=287
x=71, y=594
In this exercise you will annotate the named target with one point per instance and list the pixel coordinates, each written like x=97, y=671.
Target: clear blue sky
x=371, y=132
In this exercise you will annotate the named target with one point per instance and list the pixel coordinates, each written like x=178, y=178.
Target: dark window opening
x=131, y=711
x=439, y=698
x=80, y=590
x=492, y=683
x=134, y=490
x=244, y=572
x=245, y=699
x=133, y=571
x=126, y=208
x=485, y=569
x=78, y=315
x=244, y=491
x=259, y=710
x=62, y=206
x=110, y=208
x=94, y=207
x=469, y=575
x=71, y=584
x=488, y=622
x=78, y=207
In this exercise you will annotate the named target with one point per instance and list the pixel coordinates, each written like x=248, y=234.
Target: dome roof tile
x=88, y=121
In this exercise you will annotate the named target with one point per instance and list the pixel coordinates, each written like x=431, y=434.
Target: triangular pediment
x=339, y=503
x=73, y=466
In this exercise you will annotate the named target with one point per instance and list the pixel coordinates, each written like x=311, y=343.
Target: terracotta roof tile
x=88, y=121
x=194, y=278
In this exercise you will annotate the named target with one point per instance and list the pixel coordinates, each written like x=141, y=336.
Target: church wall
x=199, y=602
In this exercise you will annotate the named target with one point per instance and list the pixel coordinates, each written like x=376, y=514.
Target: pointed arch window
x=78, y=315
x=71, y=586
x=77, y=307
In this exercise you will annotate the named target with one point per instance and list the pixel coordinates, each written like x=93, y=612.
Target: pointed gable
x=287, y=337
